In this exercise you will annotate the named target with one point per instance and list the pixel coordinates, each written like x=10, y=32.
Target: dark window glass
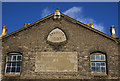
x=14, y=58
x=102, y=64
x=93, y=69
x=102, y=57
x=9, y=58
x=93, y=64
x=97, y=69
x=103, y=69
x=92, y=57
x=13, y=69
x=14, y=64
x=97, y=57
x=8, y=70
x=98, y=64
x=19, y=57
x=18, y=69
x=8, y=64
x=19, y=64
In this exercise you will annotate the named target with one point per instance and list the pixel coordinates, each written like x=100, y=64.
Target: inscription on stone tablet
x=56, y=36
x=56, y=62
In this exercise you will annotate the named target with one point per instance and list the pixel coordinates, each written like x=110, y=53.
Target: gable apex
x=68, y=18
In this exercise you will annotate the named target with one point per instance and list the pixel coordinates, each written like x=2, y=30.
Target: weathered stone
x=56, y=62
x=32, y=42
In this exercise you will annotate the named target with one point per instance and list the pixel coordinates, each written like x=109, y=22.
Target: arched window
x=13, y=63
x=98, y=62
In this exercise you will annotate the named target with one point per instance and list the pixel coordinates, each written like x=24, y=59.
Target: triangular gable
x=69, y=19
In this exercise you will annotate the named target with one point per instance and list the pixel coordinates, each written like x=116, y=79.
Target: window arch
x=13, y=63
x=98, y=62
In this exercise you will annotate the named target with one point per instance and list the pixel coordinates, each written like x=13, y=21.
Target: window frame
x=98, y=61
x=13, y=61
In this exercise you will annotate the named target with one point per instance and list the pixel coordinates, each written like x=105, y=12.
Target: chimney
x=57, y=14
x=4, y=30
x=91, y=24
x=112, y=30
x=28, y=24
x=88, y=24
x=25, y=25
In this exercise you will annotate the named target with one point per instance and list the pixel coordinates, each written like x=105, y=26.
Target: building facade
x=61, y=48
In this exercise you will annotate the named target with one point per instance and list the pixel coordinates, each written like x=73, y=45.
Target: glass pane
x=14, y=58
x=102, y=69
x=8, y=70
x=102, y=57
x=14, y=64
x=102, y=63
x=8, y=64
x=92, y=57
x=97, y=57
x=92, y=64
x=93, y=69
x=18, y=69
x=98, y=64
x=13, y=69
x=19, y=57
x=9, y=58
x=97, y=69
x=19, y=64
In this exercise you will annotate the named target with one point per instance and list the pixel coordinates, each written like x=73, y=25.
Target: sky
x=102, y=14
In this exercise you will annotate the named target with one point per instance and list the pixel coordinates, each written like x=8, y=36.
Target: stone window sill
x=12, y=74
x=99, y=74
